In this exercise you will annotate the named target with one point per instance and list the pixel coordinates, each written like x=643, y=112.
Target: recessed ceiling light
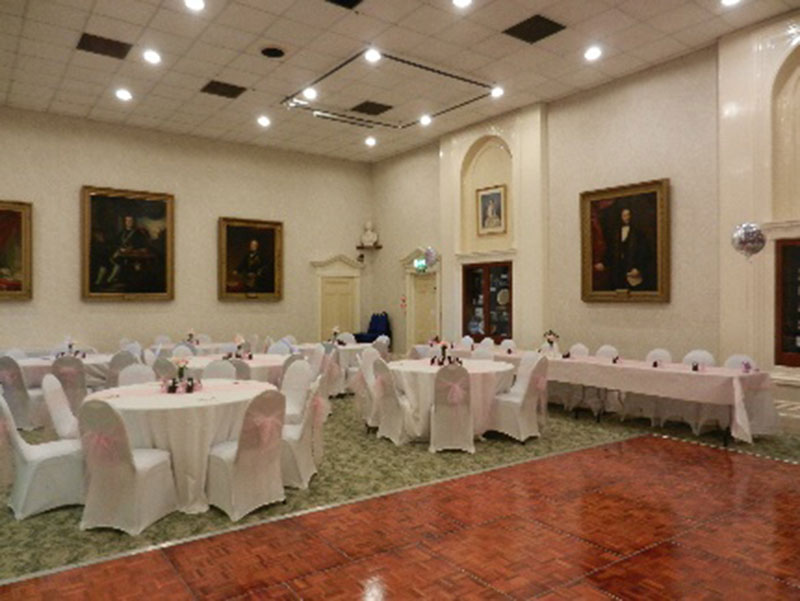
x=730, y=2
x=462, y=3
x=195, y=5
x=151, y=56
x=497, y=91
x=371, y=141
x=593, y=53
x=425, y=120
x=123, y=94
x=263, y=121
x=310, y=94
x=373, y=55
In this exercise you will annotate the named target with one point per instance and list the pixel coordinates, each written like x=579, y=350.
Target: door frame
x=338, y=266
x=411, y=273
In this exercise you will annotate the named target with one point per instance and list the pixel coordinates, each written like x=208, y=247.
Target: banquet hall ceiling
x=441, y=52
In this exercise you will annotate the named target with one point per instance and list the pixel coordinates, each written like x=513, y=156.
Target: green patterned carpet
x=356, y=464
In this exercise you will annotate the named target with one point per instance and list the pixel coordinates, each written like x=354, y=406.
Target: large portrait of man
x=127, y=245
x=15, y=250
x=250, y=259
x=625, y=243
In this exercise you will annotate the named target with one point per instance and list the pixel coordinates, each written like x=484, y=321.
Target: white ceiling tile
x=246, y=18
x=50, y=34
x=57, y=14
x=602, y=24
x=428, y=20
x=571, y=12
x=315, y=13
x=659, y=50
x=398, y=40
x=464, y=33
x=9, y=43
x=752, y=12
x=10, y=24
x=703, y=33
x=131, y=11
x=499, y=45
x=286, y=30
x=67, y=108
x=501, y=14
x=679, y=18
x=228, y=37
x=360, y=27
x=44, y=50
x=113, y=29
x=621, y=64
x=207, y=53
x=645, y=9
x=337, y=45
x=390, y=11
x=164, y=42
x=13, y=7
x=178, y=24
x=633, y=37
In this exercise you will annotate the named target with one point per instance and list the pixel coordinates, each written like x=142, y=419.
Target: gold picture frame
x=625, y=243
x=127, y=246
x=491, y=210
x=16, y=247
x=250, y=260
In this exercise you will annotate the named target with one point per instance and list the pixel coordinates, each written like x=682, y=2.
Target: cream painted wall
x=661, y=123
x=46, y=159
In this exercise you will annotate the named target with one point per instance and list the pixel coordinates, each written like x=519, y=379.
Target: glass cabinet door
x=500, y=301
x=473, y=303
x=487, y=301
x=787, y=303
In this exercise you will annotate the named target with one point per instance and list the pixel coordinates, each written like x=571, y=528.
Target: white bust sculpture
x=369, y=237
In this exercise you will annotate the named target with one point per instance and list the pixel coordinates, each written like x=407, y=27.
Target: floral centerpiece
x=191, y=338
x=181, y=363
x=549, y=347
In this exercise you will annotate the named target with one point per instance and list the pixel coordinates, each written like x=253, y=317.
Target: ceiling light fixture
x=310, y=94
x=195, y=5
x=462, y=3
x=370, y=141
x=151, y=56
x=593, y=53
x=425, y=120
x=123, y=94
x=497, y=91
x=730, y=2
x=373, y=55
x=263, y=121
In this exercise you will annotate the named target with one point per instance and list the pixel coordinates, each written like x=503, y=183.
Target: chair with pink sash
x=394, y=409
x=297, y=450
x=315, y=360
x=138, y=373
x=26, y=405
x=72, y=375
x=47, y=475
x=245, y=474
x=363, y=386
x=242, y=369
x=119, y=361
x=518, y=411
x=128, y=489
x=64, y=421
x=295, y=386
x=165, y=369
x=451, y=413
x=319, y=411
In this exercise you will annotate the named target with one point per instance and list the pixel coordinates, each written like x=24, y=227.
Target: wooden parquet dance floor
x=649, y=518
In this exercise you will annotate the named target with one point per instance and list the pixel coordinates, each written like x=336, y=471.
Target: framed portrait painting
x=16, y=282
x=625, y=243
x=491, y=210
x=127, y=245
x=250, y=259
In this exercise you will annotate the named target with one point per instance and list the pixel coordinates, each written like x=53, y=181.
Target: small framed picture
x=15, y=250
x=491, y=210
x=250, y=259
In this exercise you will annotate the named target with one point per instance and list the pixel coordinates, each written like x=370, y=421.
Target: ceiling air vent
x=104, y=46
x=220, y=88
x=534, y=29
x=371, y=108
x=346, y=3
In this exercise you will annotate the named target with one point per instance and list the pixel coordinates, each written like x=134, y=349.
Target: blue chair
x=378, y=326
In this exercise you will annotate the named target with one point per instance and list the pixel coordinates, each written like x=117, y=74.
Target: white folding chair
x=607, y=352
x=14, y=353
x=738, y=361
x=243, y=371
x=119, y=361
x=507, y=344
x=220, y=369
x=71, y=373
x=290, y=339
x=136, y=374
x=517, y=412
x=64, y=421
x=451, y=412
x=149, y=357
x=165, y=369
x=297, y=449
x=135, y=349
x=315, y=360
x=659, y=354
x=644, y=405
x=483, y=352
x=466, y=342
x=183, y=350
x=579, y=350
x=128, y=489
x=382, y=346
x=700, y=356
x=26, y=405
x=279, y=348
x=245, y=474
x=393, y=408
x=47, y=475
x=487, y=342
x=295, y=386
x=363, y=386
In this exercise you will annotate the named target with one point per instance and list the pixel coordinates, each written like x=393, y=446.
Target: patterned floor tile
x=410, y=573
x=143, y=576
x=232, y=564
x=669, y=572
x=519, y=557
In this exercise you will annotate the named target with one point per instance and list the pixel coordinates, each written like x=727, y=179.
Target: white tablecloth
x=425, y=350
x=416, y=379
x=204, y=348
x=748, y=395
x=348, y=354
x=186, y=425
x=34, y=369
x=263, y=367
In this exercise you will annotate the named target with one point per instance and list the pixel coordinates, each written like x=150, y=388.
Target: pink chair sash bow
x=318, y=410
x=101, y=447
x=541, y=383
x=455, y=393
x=269, y=430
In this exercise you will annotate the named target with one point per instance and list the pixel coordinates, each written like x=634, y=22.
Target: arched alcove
x=487, y=164
x=786, y=140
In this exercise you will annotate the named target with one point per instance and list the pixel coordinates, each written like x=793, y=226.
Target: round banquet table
x=34, y=369
x=186, y=425
x=513, y=357
x=204, y=348
x=416, y=378
x=263, y=367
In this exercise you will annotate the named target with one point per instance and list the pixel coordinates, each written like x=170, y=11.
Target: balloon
x=748, y=239
x=431, y=256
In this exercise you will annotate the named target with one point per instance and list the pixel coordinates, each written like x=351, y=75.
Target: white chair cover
x=203, y=338
x=149, y=357
x=394, y=410
x=71, y=372
x=297, y=450
x=487, y=342
x=162, y=339
x=414, y=354
x=382, y=346
x=579, y=350
x=295, y=387
x=254, y=340
x=64, y=421
x=644, y=405
x=119, y=361
x=527, y=362
x=737, y=361
x=183, y=350
x=267, y=343
x=246, y=474
x=451, y=414
x=134, y=348
x=47, y=475
x=15, y=353
x=136, y=374
x=659, y=354
x=228, y=347
x=319, y=412
x=123, y=342
x=506, y=344
x=128, y=489
x=347, y=337
x=466, y=342
x=701, y=356
x=315, y=360
x=363, y=386
x=279, y=348
x=607, y=352
x=290, y=339
x=483, y=352
x=517, y=412
x=242, y=369
x=332, y=373
x=221, y=369
x=26, y=406
x=165, y=369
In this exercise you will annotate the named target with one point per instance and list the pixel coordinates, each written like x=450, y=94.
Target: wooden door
x=425, y=308
x=338, y=298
